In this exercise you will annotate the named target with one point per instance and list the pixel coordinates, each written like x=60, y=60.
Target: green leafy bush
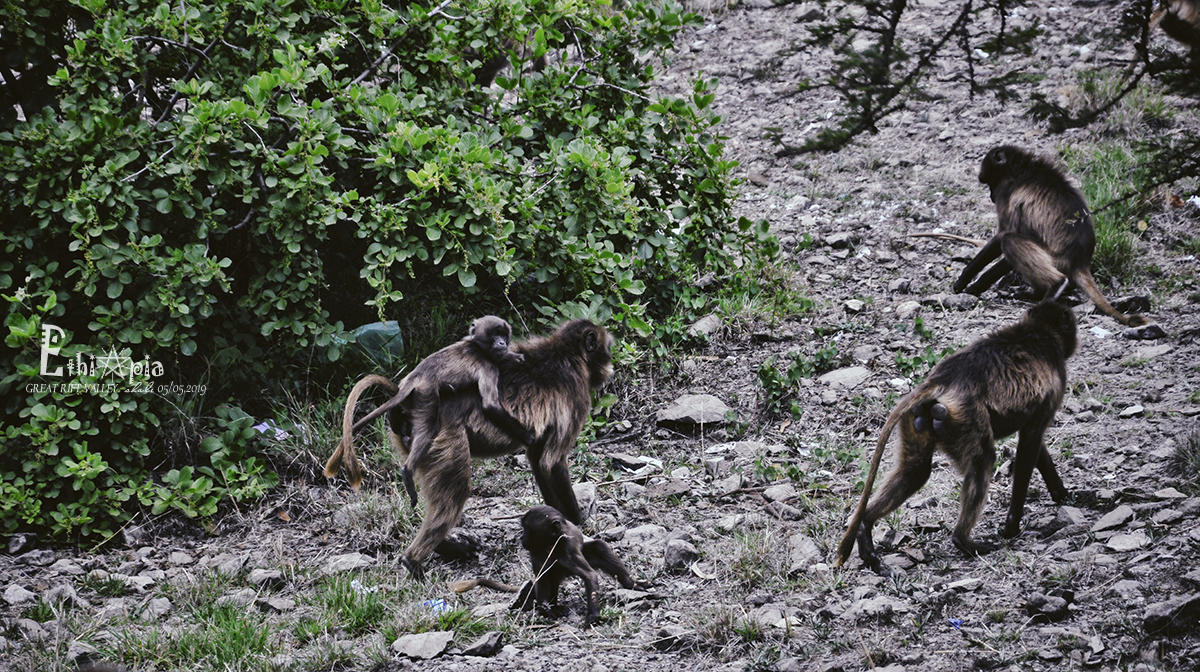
x=220, y=188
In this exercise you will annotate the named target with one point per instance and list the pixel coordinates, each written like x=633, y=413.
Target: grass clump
x=1185, y=463
x=1105, y=173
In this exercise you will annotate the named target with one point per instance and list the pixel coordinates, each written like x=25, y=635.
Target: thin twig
x=950, y=236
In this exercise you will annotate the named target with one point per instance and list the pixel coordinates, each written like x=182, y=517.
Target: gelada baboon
x=549, y=393
x=473, y=361
x=1044, y=230
x=1009, y=381
x=1181, y=20
x=557, y=551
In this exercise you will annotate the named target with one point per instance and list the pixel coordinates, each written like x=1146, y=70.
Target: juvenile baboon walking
x=1044, y=230
x=557, y=551
x=549, y=393
x=1009, y=381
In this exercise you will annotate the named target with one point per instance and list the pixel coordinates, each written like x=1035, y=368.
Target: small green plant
x=41, y=611
x=920, y=330
x=918, y=365
x=779, y=390
x=1105, y=173
x=105, y=587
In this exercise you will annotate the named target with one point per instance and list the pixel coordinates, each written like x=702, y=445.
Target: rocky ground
x=734, y=524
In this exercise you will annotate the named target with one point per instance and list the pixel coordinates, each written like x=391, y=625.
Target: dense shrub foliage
x=199, y=198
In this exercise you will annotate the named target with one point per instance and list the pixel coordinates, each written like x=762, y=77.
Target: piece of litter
x=269, y=426
x=359, y=588
x=1100, y=332
x=956, y=622
x=437, y=606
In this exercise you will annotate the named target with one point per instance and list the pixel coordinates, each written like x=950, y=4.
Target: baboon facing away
x=1009, y=381
x=1181, y=20
x=549, y=393
x=472, y=362
x=1044, y=230
x=557, y=552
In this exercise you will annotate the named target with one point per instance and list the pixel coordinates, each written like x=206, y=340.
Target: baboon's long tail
x=468, y=584
x=917, y=396
x=344, y=454
x=1087, y=283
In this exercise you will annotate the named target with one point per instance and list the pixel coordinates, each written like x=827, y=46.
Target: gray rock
x=240, y=598
x=693, y=409
x=854, y=306
x=1067, y=516
x=1128, y=542
x=62, y=594
x=275, y=605
x=486, y=646
x=156, y=608
x=803, y=553
x=1176, y=615
x=228, y=564
x=31, y=630
x=960, y=301
x=779, y=493
x=839, y=240
x=585, y=495
x=266, y=578
x=348, y=562
x=907, y=309
x=1192, y=577
x=728, y=485
x=847, y=378
x=38, y=558
x=1114, y=519
x=649, y=537
x=117, y=607
x=78, y=653
x=1046, y=607
x=65, y=566
x=424, y=645
x=21, y=542
x=1169, y=493
x=179, y=558
x=705, y=326
x=17, y=596
x=680, y=554
x=672, y=638
x=1146, y=332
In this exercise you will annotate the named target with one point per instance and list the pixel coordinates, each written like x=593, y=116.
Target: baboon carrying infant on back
x=547, y=393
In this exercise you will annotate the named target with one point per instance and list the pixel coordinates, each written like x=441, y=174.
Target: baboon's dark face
x=492, y=335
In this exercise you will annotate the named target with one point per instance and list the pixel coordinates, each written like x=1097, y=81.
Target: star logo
x=112, y=362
